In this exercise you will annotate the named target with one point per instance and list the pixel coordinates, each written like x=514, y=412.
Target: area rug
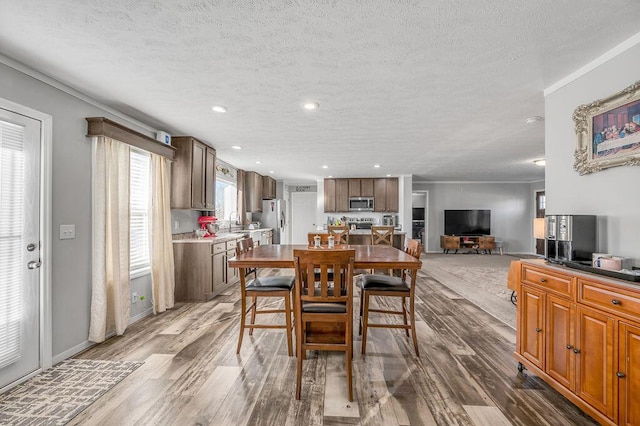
x=57, y=395
x=481, y=279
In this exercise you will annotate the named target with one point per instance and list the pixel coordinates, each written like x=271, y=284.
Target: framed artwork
x=608, y=132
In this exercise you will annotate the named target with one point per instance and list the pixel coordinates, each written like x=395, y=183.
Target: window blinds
x=11, y=236
x=140, y=188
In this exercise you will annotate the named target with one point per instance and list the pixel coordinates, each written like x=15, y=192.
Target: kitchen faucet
x=233, y=216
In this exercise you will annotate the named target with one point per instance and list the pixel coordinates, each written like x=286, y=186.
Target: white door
x=20, y=352
x=303, y=215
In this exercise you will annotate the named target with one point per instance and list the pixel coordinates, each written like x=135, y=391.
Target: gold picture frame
x=608, y=132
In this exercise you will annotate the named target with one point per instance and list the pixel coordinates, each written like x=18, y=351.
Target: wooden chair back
x=414, y=248
x=340, y=233
x=323, y=276
x=243, y=246
x=382, y=235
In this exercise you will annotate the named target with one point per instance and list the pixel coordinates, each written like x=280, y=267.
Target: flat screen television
x=418, y=213
x=467, y=222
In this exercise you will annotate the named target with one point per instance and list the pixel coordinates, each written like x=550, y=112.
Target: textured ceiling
x=437, y=89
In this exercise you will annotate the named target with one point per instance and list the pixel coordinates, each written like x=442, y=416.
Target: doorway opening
x=419, y=217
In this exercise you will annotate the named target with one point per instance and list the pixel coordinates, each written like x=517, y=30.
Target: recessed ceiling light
x=533, y=119
x=377, y=166
x=271, y=171
x=311, y=106
x=219, y=108
x=388, y=175
x=325, y=167
x=540, y=162
x=236, y=147
x=330, y=176
x=258, y=162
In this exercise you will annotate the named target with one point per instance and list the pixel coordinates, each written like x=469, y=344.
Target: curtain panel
x=162, y=264
x=111, y=286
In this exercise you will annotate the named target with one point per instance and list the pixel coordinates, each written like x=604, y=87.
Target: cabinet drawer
x=231, y=245
x=219, y=248
x=622, y=302
x=552, y=281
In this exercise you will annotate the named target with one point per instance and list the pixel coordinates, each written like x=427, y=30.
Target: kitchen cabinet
x=361, y=187
x=268, y=188
x=581, y=334
x=336, y=195
x=253, y=191
x=193, y=174
x=201, y=268
x=385, y=194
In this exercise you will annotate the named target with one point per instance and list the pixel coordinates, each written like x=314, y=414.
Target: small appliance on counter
x=208, y=223
x=570, y=237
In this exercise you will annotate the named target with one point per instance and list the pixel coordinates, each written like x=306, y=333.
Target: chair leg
x=413, y=325
x=404, y=315
x=287, y=308
x=243, y=316
x=298, y=370
x=361, y=308
x=253, y=313
x=349, y=355
x=365, y=319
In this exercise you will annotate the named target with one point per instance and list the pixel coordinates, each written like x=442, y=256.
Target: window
x=139, y=190
x=226, y=194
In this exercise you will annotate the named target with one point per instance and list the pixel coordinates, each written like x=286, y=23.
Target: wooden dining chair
x=324, y=303
x=271, y=286
x=340, y=233
x=390, y=286
x=382, y=235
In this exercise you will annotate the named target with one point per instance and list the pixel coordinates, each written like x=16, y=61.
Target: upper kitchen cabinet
x=336, y=195
x=193, y=177
x=253, y=191
x=268, y=188
x=385, y=193
x=361, y=187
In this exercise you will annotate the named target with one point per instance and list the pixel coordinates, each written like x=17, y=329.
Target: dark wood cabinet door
x=330, y=195
x=198, y=175
x=595, y=370
x=210, y=179
x=560, y=358
x=354, y=188
x=268, y=188
x=366, y=187
x=532, y=334
x=380, y=195
x=392, y=202
x=342, y=195
x=253, y=191
x=628, y=375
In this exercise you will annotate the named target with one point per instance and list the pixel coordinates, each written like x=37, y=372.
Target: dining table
x=366, y=257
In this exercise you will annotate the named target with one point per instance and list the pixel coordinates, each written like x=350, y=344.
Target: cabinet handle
x=620, y=375
x=543, y=280
x=576, y=350
x=538, y=329
x=616, y=302
x=569, y=347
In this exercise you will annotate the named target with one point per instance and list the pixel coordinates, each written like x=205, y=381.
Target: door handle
x=576, y=350
x=538, y=329
x=569, y=347
x=34, y=265
x=620, y=374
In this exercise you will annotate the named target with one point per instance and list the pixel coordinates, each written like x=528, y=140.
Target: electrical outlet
x=134, y=297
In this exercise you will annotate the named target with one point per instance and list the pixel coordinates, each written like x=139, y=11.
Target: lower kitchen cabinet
x=581, y=334
x=201, y=269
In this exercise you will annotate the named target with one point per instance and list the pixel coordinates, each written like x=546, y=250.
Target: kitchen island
x=363, y=237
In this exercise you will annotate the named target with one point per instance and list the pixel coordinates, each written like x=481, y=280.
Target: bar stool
x=272, y=286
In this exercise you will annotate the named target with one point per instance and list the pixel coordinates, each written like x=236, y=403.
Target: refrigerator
x=274, y=216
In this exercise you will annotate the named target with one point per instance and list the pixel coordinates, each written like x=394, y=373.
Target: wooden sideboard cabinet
x=580, y=333
x=193, y=174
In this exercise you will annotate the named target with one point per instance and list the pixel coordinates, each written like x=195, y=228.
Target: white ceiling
x=437, y=89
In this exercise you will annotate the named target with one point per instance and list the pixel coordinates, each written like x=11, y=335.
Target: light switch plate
x=67, y=232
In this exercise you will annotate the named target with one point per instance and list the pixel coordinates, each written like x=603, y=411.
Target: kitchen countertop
x=220, y=237
x=356, y=232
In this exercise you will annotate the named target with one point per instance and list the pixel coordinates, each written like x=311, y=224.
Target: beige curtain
x=110, y=300
x=241, y=205
x=162, y=266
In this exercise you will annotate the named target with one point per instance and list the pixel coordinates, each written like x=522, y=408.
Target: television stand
x=472, y=243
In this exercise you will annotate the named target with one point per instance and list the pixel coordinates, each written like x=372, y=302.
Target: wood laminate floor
x=192, y=376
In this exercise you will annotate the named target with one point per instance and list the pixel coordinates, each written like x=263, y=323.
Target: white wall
x=611, y=194
x=511, y=205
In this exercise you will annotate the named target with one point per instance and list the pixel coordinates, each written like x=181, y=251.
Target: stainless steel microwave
x=361, y=204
